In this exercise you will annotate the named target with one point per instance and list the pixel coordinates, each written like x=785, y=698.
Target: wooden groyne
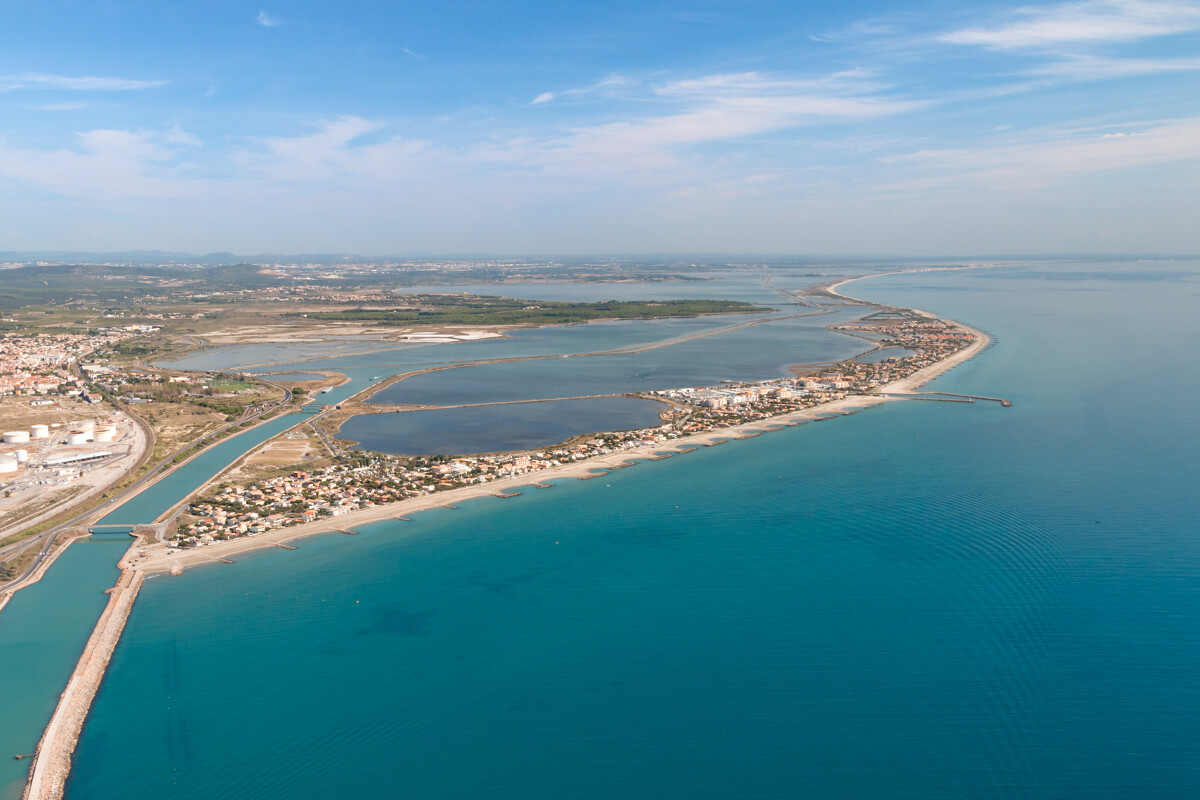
x=52, y=761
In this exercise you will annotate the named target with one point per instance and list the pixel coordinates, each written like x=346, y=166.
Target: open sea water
x=925, y=600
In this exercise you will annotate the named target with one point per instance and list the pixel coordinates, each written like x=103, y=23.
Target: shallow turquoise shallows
x=42, y=631
x=925, y=600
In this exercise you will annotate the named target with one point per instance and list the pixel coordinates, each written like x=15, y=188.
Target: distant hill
x=144, y=258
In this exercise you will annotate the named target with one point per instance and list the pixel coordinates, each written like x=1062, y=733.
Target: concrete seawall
x=52, y=762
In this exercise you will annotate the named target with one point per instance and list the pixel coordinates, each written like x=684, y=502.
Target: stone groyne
x=52, y=762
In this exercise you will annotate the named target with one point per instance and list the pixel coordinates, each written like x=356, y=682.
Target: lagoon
x=488, y=429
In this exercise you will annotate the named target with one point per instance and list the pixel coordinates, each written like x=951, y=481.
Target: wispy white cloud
x=1036, y=163
x=336, y=154
x=711, y=109
x=1090, y=21
x=86, y=83
x=105, y=164
x=610, y=86
x=1089, y=68
x=74, y=106
x=409, y=52
x=268, y=20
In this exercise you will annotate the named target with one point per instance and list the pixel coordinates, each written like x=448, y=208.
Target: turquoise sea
x=924, y=600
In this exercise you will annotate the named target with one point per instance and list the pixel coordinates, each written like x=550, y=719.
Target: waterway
x=42, y=632
x=152, y=503
x=489, y=429
x=925, y=600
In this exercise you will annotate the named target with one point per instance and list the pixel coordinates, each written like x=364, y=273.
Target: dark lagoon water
x=577, y=338
x=883, y=354
x=488, y=429
x=924, y=600
x=760, y=352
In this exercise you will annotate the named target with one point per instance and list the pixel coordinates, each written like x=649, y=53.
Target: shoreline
x=52, y=760
x=157, y=558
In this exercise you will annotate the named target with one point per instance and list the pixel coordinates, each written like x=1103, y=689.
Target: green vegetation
x=230, y=384
x=477, y=310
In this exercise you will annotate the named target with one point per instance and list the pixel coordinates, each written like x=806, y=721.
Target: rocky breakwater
x=52, y=762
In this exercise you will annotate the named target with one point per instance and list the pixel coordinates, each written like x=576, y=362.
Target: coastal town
x=363, y=479
x=34, y=363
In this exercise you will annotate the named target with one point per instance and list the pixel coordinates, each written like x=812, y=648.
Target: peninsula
x=234, y=520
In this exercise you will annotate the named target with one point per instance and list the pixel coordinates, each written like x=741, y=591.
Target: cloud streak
x=1028, y=165
x=106, y=164
x=1087, y=22
x=86, y=83
x=720, y=108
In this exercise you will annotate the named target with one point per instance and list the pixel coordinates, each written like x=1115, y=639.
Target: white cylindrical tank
x=85, y=425
x=14, y=437
x=39, y=431
x=22, y=456
x=8, y=465
x=78, y=437
x=104, y=435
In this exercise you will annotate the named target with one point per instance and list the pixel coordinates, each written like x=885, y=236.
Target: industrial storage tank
x=78, y=437
x=39, y=431
x=22, y=456
x=8, y=465
x=104, y=435
x=14, y=437
x=85, y=425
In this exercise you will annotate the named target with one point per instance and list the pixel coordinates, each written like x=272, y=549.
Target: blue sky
x=936, y=128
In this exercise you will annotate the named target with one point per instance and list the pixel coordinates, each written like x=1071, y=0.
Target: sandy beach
x=160, y=558
x=52, y=762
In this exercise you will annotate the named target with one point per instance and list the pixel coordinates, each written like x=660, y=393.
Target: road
x=164, y=467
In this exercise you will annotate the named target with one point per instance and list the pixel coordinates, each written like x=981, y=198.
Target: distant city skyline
x=872, y=128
